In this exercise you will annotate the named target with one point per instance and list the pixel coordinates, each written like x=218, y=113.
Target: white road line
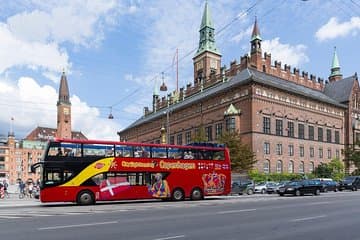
x=9, y=217
x=307, y=218
x=237, y=211
x=77, y=225
x=173, y=237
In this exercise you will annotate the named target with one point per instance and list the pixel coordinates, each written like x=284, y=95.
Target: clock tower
x=207, y=60
x=63, y=110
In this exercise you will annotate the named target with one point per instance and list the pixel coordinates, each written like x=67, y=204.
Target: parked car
x=272, y=188
x=261, y=187
x=242, y=186
x=331, y=185
x=279, y=185
x=299, y=188
x=350, y=183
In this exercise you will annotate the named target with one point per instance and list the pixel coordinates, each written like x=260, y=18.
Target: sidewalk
x=14, y=201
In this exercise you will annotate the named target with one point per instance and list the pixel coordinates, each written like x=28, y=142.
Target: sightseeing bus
x=86, y=171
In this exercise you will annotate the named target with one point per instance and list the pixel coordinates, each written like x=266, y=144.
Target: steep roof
x=244, y=77
x=340, y=90
x=45, y=133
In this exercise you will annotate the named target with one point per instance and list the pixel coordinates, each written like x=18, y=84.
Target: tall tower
x=207, y=59
x=255, y=53
x=335, y=74
x=64, y=110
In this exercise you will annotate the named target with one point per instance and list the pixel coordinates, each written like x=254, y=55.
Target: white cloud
x=333, y=29
x=287, y=54
x=242, y=34
x=78, y=22
x=14, y=52
x=34, y=105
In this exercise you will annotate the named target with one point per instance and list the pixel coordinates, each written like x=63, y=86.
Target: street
x=328, y=216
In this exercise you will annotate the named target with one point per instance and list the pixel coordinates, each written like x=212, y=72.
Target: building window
x=301, y=167
x=291, y=167
x=179, y=139
x=302, y=152
x=329, y=153
x=291, y=129
x=328, y=135
x=311, y=132
x=320, y=134
x=188, y=137
x=230, y=124
x=266, y=148
x=301, y=133
x=279, y=149
x=218, y=130
x=279, y=127
x=312, y=152
x=337, y=152
x=172, y=140
x=267, y=166
x=266, y=125
x=291, y=150
x=321, y=153
x=337, y=137
x=311, y=167
x=279, y=166
x=208, y=133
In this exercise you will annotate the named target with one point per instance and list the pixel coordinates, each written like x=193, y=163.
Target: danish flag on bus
x=112, y=186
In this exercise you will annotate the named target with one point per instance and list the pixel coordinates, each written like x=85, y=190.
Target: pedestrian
x=6, y=185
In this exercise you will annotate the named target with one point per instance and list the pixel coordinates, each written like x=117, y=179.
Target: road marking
x=174, y=237
x=9, y=217
x=308, y=218
x=237, y=211
x=76, y=225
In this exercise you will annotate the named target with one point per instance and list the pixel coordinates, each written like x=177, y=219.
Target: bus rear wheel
x=196, y=194
x=178, y=194
x=85, y=198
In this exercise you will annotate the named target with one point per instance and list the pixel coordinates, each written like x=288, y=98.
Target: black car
x=242, y=186
x=350, y=183
x=330, y=186
x=299, y=188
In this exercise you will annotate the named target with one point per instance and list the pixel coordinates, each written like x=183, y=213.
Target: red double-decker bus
x=91, y=170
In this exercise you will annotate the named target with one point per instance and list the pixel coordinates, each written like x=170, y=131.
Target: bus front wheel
x=85, y=198
x=196, y=194
x=178, y=194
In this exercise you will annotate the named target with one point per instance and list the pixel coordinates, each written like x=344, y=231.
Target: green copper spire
x=335, y=67
x=207, y=33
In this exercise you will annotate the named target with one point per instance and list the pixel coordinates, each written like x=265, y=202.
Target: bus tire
x=85, y=197
x=196, y=194
x=178, y=194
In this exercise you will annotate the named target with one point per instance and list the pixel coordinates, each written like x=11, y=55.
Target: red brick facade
x=323, y=115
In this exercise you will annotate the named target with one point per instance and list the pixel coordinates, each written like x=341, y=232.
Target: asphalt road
x=328, y=216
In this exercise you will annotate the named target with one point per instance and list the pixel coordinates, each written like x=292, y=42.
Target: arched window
x=267, y=166
x=279, y=166
x=311, y=167
x=291, y=166
x=301, y=167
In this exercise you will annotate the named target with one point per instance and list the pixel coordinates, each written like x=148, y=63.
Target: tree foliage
x=334, y=169
x=242, y=158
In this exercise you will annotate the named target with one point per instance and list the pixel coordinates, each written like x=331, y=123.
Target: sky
x=115, y=51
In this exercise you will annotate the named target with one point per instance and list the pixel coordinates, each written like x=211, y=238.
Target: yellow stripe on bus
x=100, y=166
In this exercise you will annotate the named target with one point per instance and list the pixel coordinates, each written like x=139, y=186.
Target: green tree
x=200, y=135
x=242, y=158
x=323, y=171
x=337, y=169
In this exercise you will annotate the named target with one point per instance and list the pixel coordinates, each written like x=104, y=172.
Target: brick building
x=17, y=156
x=292, y=121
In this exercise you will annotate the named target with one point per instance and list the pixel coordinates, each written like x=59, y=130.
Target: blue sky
x=113, y=51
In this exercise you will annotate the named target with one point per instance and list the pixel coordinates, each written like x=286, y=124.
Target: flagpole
x=177, y=70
